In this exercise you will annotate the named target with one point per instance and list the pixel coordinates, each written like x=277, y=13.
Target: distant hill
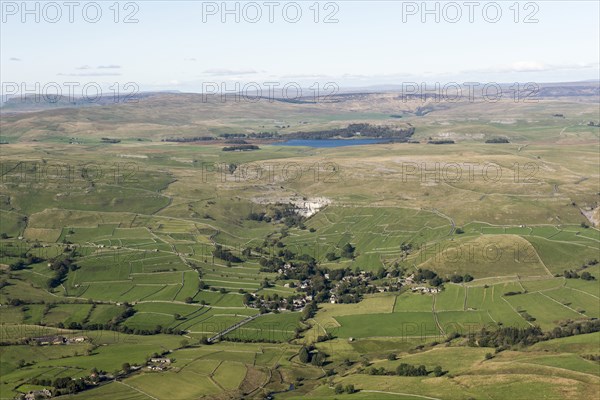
x=158, y=116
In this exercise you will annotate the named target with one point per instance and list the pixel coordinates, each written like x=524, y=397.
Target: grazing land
x=121, y=261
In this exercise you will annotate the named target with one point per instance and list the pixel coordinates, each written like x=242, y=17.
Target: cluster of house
x=36, y=394
x=297, y=304
x=56, y=340
x=410, y=280
x=423, y=289
x=361, y=277
x=286, y=267
x=158, y=363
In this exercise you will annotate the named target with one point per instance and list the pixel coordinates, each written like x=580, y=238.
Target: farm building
x=47, y=340
x=161, y=360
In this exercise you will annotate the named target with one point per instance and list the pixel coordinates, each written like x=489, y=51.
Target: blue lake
x=330, y=142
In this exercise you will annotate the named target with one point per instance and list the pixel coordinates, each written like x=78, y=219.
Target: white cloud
x=91, y=74
x=227, y=72
x=534, y=66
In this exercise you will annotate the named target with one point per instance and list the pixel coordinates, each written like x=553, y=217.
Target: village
x=343, y=290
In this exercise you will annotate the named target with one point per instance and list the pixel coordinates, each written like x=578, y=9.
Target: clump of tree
x=461, y=278
x=410, y=370
x=62, y=385
x=188, y=139
x=331, y=256
x=28, y=259
x=260, y=217
x=443, y=141
x=61, y=269
x=348, y=389
x=348, y=251
x=309, y=310
x=309, y=355
x=264, y=135
x=304, y=355
x=405, y=369
x=225, y=254
x=364, y=129
x=233, y=135
x=241, y=147
x=280, y=212
x=497, y=140
x=505, y=337
x=585, y=275
x=426, y=275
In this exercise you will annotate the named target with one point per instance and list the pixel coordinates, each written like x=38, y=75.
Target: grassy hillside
x=145, y=246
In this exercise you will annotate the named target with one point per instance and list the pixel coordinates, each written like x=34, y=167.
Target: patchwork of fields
x=154, y=247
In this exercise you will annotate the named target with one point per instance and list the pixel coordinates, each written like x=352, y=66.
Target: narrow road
x=435, y=317
x=399, y=394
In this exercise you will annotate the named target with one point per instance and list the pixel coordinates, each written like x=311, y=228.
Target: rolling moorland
x=457, y=259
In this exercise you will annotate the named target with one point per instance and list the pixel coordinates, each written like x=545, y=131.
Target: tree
x=204, y=340
x=437, y=371
x=318, y=360
x=437, y=281
x=304, y=355
x=488, y=356
x=350, y=389
x=348, y=250
x=339, y=389
x=184, y=343
x=247, y=298
x=309, y=310
x=392, y=357
x=587, y=276
x=189, y=300
x=330, y=256
x=177, y=316
x=126, y=368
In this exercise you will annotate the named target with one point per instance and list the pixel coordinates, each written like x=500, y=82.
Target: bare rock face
x=305, y=206
x=592, y=215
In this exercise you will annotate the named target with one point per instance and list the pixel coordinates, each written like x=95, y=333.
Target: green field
x=155, y=246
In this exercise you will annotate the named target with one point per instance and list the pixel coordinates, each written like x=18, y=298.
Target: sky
x=192, y=46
